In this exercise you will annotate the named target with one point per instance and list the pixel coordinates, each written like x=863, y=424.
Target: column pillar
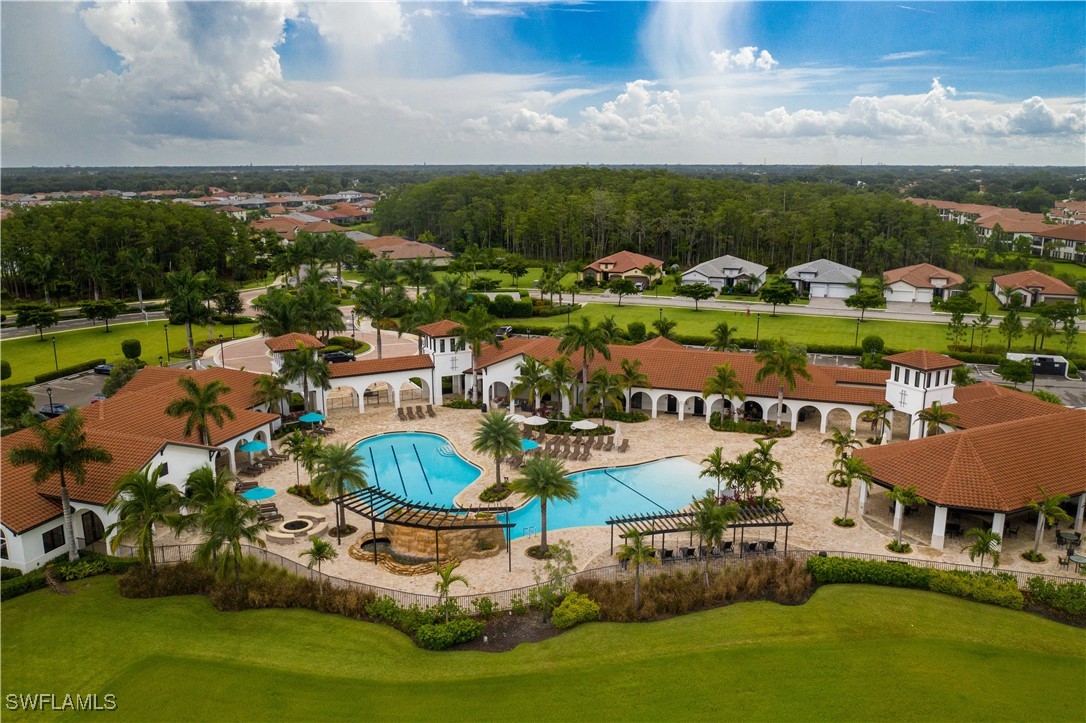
x=938, y=527
x=823, y=420
x=794, y=413
x=998, y=520
x=887, y=433
x=1079, y=512
x=231, y=461
x=899, y=515
x=863, y=498
x=852, y=420
x=654, y=400
x=681, y=409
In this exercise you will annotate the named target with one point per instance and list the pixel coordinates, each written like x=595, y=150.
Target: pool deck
x=810, y=502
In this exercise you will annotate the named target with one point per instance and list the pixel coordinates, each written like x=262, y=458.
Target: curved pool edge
x=455, y=501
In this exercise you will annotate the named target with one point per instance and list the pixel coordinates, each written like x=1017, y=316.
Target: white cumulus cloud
x=639, y=112
x=746, y=58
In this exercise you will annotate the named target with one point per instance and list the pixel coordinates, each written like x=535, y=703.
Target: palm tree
x=636, y=551
x=744, y=474
x=380, y=305
x=665, y=327
x=842, y=442
x=185, y=304
x=140, y=504
x=304, y=364
x=906, y=497
x=339, y=249
x=962, y=377
x=382, y=273
x=417, y=272
x=604, y=388
x=498, y=437
x=1040, y=328
x=610, y=327
x=934, y=417
x=477, y=327
x=846, y=472
x=202, y=487
x=723, y=337
x=338, y=471
x=562, y=378
x=709, y=522
x=226, y=523
x=277, y=313
x=717, y=468
x=269, y=389
x=1048, y=511
x=451, y=288
x=985, y=544
x=785, y=362
x=446, y=578
x=588, y=340
x=879, y=416
x=724, y=382
x=427, y=309
x=532, y=380
x=319, y=551
x=199, y=404
x=138, y=269
x=632, y=377
x=768, y=467
x=545, y=478
x=60, y=448
x=295, y=445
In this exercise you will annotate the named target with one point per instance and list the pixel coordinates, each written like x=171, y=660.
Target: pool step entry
x=446, y=450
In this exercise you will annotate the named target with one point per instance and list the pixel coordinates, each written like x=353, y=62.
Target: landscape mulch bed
x=505, y=632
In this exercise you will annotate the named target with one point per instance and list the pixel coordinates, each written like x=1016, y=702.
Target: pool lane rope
x=373, y=464
x=425, y=477
x=396, y=459
x=635, y=491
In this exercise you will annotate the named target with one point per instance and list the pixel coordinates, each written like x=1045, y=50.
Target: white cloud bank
x=747, y=58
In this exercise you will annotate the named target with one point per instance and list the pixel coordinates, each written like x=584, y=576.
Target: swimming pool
x=419, y=466
x=258, y=493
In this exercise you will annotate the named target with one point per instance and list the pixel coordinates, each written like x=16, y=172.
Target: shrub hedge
x=439, y=636
x=16, y=586
x=574, y=610
x=1068, y=597
x=994, y=589
x=7, y=573
x=462, y=404
x=66, y=371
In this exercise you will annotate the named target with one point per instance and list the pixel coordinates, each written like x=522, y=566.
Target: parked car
x=504, y=332
x=334, y=357
x=54, y=410
x=99, y=397
x=103, y=369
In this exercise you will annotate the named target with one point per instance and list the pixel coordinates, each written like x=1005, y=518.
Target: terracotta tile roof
x=1012, y=220
x=1030, y=279
x=279, y=224
x=660, y=342
x=981, y=404
x=444, y=327
x=624, y=261
x=920, y=276
x=379, y=366
x=277, y=210
x=1063, y=231
x=289, y=342
x=319, y=227
x=924, y=360
x=998, y=467
x=397, y=248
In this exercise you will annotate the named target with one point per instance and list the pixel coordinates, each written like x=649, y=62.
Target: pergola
x=377, y=505
x=661, y=524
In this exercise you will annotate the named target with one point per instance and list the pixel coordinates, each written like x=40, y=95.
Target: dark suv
x=54, y=410
x=504, y=332
x=334, y=357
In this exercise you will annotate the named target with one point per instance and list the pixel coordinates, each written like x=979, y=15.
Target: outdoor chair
x=410, y=413
x=420, y=412
x=625, y=446
x=624, y=564
x=599, y=442
x=430, y=411
x=1011, y=532
x=244, y=485
x=668, y=555
x=687, y=553
x=715, y=551
x=609, y=444
x=770, y=546
x=752, y=548
x=400, y=413
x=1064, y=562
x=585, y=454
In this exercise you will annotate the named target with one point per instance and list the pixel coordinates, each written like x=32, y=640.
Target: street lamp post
x=160, y=361
x=661, y=313
x=856, y=341
x=56, y=364
x=352, y=327
x=49, y=391
x=222, y=352
x=166, y=329
x=757, y=329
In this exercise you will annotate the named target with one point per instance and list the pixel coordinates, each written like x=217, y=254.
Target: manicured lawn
x=794, y=328
x=30, y=357
x=851, y=653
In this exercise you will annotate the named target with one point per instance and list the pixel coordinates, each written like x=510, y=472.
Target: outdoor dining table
x=1079, y=561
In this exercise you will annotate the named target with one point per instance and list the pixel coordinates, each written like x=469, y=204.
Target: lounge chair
x=770, y=546
x=752, y=548
x=410, y=413
x=625, y=446
x=420, y=412
x=430, y=411
x=399, y=411
x=244, y=485
x=609, y=444
x=599, y=442
x=688, y=553
x=585, y=454
x=727, y=548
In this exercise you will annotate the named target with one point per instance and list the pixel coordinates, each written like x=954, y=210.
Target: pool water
x=419, y=466
x=258, y=493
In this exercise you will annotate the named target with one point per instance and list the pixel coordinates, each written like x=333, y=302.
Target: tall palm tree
x=545, y=478
x=338, y=471
x=339, y=250
x=724, y=382
x=60, y=448
x=1048, y=511
x=318, y=310
x=985, y=544
x=295, y=446
x=846, y=472
x=768, y=466
x=304, y=365
x=722, y=337
x=632, y=377
x=562, y=378
x=277, y=313
x=665, y=327
x=879, y=416
x=477, y=327
x=185, y=304
x=934, y=417
x=269, y=389
x=786, y=363
x=198, y=405
x=141, y=504
x=427, y=309
x=202, y=487
x=906, y=497
x=531, y=380
x=451, y=288
x=1040, y=328
x=842, y=442
x=445, y=580
x=382, y=273
x=604, y=388
x=716, y=467
x=227, y=523
x=417, y=272
x=709, y=522
x=380, y=305
x=498, y=437
x=637, y=552
x=589, y=340
x=744, y=474
x=319, y=551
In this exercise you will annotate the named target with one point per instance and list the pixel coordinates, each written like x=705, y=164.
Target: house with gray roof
x=724, y=272
x=823, y=278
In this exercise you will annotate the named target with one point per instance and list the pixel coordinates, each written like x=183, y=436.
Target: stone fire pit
x=306, y=525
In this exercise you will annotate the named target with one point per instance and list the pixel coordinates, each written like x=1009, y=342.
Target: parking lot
x=75, y=391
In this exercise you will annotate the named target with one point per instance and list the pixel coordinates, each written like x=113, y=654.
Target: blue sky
x=528, y=82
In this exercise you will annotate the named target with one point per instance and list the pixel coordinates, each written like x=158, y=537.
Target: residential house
x=725, y=272
x=625, y=265
x=823, y=278
x=1032, y=287
x=919, y=283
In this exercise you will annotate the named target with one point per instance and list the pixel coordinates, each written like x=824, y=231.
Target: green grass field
x=794, y=328
x=30, y=357
x=851, y=653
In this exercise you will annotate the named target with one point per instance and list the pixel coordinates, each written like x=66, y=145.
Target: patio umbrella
x=528, y=444
x=515, y=418
x=311, y=417
x=254, y=446
x=535, y=421
x=584, y=424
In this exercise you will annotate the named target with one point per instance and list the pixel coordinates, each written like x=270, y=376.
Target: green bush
x=7, y=573
x=1068, y=597
x=873, y=344
x=306, y=493
x=828, y=570
x=635, y=330
x=440, y=636
x=574, y=610
x=409, y=619
x=721, y=425
x=347, y=342
x=79, y=569
x=495, y=492
x=462, y=404
x=980, y=586
x=131, y=348
x=486, y=607
x=66, y=371
x=5, y=369
x=16, y=586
